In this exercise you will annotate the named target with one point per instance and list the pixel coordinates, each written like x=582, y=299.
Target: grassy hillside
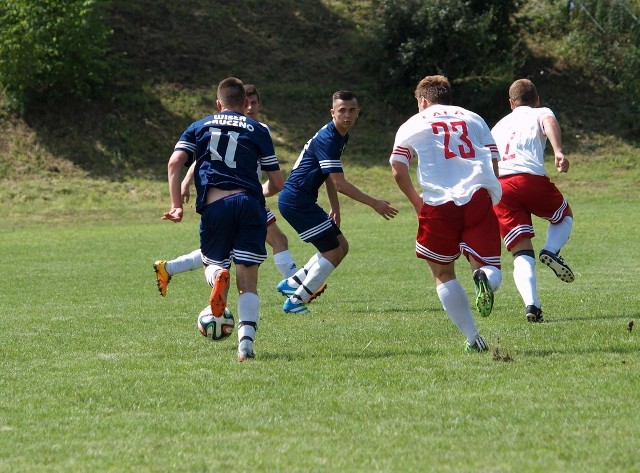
x=296, y=52
x=174, y=55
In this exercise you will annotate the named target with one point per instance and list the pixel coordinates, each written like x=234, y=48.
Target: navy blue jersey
x=230, y=149
x=319, y=157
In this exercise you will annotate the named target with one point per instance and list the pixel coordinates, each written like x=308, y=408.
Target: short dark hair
x=523, y=92
x=252, y=90
x=231, y=92
x=436, y=89
x=343, y=95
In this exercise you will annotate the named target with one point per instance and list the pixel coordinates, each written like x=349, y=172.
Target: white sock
x=456, y=304
x=285, y=264
x=248, y=316
x=301, y=274
x=494, y=275
x=210, y=273
x=317, y=275
x=185, y=263
x=524, y=275
x=558, y=234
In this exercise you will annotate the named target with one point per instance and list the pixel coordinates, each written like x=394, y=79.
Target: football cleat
x=557, y=264
x=162, y=277
x=534, y=314
x=484, y=294
x=291, y=307
x=245, y=351
x=285, y=288
x=218, y=298
x=320, y=290
x=479, y=345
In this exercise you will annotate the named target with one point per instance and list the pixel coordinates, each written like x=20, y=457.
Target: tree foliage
x=601, y=38
x=51, y=49
x=469, y=41
x=606, y=33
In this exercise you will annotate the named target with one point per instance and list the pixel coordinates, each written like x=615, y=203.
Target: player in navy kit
x=228, y=147
x=320, y=163
x=275, y=237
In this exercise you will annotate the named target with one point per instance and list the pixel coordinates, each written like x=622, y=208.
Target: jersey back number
x=458, y=128
x=223, y=146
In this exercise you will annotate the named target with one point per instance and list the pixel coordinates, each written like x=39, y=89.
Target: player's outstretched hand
x=385, y=209
x=175, y=215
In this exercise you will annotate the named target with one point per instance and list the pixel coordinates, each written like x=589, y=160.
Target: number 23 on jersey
x=459, y=129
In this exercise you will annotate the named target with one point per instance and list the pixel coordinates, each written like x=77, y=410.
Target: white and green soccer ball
x=215, y=328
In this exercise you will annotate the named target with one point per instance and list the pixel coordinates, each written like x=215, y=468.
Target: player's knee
x=344, y=244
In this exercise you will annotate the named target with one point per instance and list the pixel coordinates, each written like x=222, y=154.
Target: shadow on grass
x=361, y=354
x=623, y=318
x=160, y=47
x=409, y=311
x=170, y=56
x=631, y=350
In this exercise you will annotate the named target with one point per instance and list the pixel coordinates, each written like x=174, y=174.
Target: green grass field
x=99, y=373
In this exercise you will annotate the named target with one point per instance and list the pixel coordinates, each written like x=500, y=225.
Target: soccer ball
x=215, y=328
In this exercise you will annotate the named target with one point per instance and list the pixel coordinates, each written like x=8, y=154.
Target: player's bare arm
x=174, y=167
x=401, y=175
x=496, y=169
x=334, y=202
x=345, y=187
x=552, y=130
x=185, y=187
x=274, y=183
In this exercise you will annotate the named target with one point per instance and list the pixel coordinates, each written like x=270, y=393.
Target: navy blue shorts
x=234, y=227
x=309, y=220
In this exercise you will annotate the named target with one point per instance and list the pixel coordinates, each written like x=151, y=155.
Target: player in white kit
x=521, y=137
x=457, y=173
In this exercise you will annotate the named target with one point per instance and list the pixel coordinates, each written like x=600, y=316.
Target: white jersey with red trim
x=521, y=140
x=454, y=147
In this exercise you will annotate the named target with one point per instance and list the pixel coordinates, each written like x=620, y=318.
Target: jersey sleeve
x=544, y=112
x=401, y=150
x=268, y=160
x=488, y=140
x=329, y=153
x=187, y=143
